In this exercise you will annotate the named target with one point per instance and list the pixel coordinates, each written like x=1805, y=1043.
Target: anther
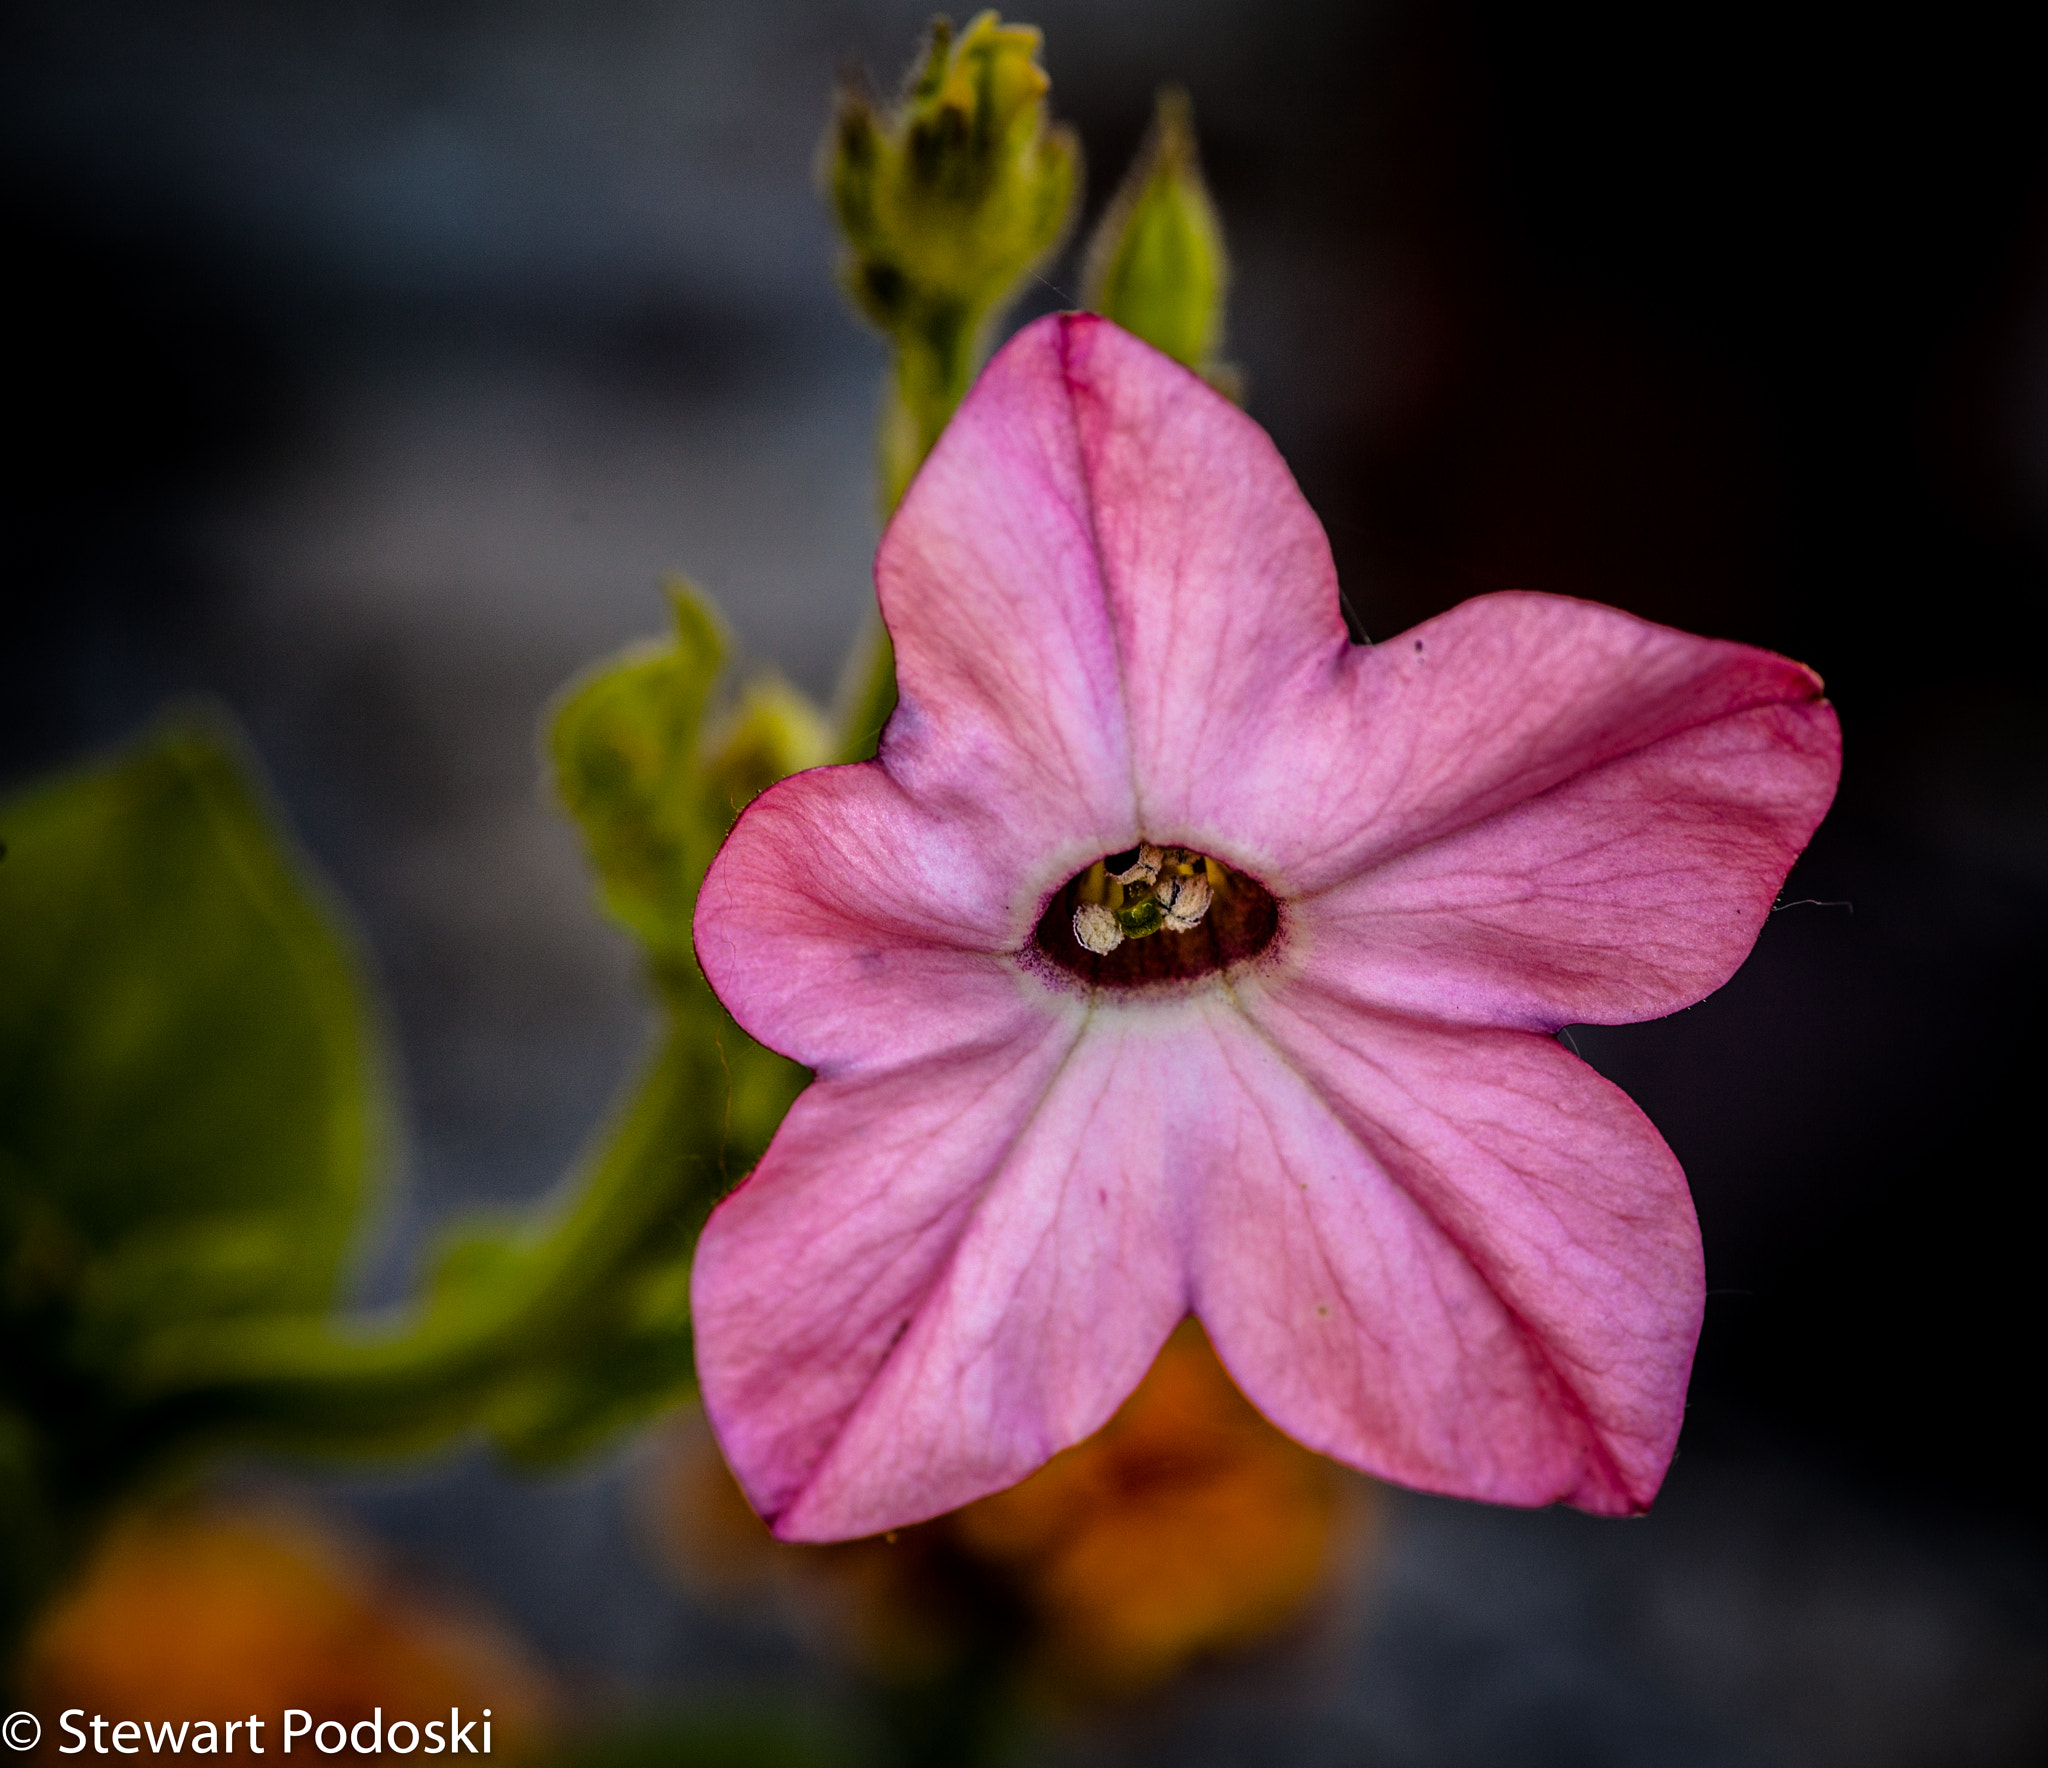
x=1152, y=890
x=1183, y=900
x=1096, y=928
x=1135, y=865
x=1154, y=914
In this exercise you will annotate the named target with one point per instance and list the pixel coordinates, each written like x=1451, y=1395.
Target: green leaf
x=190, y=1111
x=552, y=1331
x=1157, y=264
x=189, y=1107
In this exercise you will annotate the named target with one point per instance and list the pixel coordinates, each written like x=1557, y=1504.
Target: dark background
x=370, y=361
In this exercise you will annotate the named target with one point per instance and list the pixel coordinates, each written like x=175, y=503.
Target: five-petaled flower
x=1332, y=1121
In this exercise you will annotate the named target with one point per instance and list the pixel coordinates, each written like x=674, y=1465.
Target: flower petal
x=842, y=925
x=1457, y=1259
x=1217, y=573
x=1493, y=704
x=1625, y=892
x=1098, y=584
x=1010, y=712
x=939, y=1278
x=1446, y=1252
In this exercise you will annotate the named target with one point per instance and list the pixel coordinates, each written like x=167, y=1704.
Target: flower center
x=1155, y=914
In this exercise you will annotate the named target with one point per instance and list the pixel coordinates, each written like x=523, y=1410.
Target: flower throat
x=1155, y=914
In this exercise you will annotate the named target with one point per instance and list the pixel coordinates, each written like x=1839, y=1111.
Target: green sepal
x=623, y=742
x=654, y=780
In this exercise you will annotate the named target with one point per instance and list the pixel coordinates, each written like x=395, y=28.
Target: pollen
x=1143, y=890
x=1154, y=914
x=1185, y=900
x=1096, y=928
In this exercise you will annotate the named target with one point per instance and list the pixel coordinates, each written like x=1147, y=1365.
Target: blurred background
x=373, y=361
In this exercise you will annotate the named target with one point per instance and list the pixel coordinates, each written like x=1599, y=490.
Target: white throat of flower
x=1142, y=891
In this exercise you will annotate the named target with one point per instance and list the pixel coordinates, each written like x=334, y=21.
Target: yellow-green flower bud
x=946, y=204
x=1156, y=264
x=775, y=731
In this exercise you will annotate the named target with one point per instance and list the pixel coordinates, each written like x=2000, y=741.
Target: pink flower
x=1332, y=1121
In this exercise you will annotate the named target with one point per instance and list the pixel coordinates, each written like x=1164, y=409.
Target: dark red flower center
x=1241, y=920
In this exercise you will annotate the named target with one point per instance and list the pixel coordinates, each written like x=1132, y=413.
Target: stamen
x=1184, y=900
x=1135, y=865
x=1154, y=889
x=1153, y=913
x=1096, y=927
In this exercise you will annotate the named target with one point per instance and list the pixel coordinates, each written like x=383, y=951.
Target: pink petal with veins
x=851, y=927
x=1215, y=574
x=919, y=1298
x=1011, y=711
x=811, y=1272
x=1457, y=1258
x=1628, y=889
x=1480, y=709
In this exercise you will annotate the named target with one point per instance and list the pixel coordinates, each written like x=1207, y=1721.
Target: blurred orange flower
x=203, y=1614
x=1188, y=1525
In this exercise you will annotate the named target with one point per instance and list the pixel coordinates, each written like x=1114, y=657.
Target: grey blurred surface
x=462, y=538
x=1753, y=1618
x=1757, y=1616
x=539, y=305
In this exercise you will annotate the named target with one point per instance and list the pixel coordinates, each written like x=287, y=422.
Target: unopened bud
x=945, y=206
x=774, y=732
x=1156, y=264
